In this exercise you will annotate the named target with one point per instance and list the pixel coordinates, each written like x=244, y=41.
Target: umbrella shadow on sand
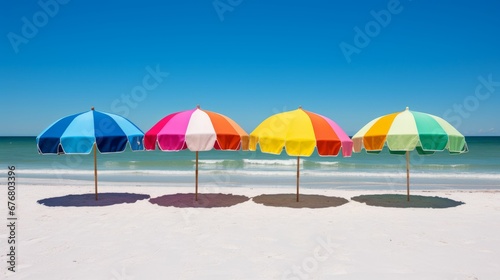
x=82, y=200
x=306, y=200
x=400, y=201
x=208, y=200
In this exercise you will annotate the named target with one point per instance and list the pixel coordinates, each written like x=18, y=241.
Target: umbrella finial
x=300, y=106
x=92, y=108
x=198, y=106
x=407, y=108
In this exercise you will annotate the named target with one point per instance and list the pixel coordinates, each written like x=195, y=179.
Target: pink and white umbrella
x=196, y=130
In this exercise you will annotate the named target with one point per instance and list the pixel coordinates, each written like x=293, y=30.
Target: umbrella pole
x=298, y=167
x=196, y=183
x=95, y=169
x=407, y=175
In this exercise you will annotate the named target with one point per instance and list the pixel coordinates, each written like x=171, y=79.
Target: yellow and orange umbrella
x=299, y=132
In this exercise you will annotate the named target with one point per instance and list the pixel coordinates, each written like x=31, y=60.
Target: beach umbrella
x=406, y=131
x=92, y=130
x=300, y=132
x=196, y=130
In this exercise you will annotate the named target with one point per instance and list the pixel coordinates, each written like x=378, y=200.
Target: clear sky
x=351, y=61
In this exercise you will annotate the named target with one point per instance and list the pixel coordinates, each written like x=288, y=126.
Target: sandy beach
x=71, y=237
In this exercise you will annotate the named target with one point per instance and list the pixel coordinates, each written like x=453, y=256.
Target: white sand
x=251, y=241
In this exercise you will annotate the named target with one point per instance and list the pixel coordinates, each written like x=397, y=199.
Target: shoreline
x=284, y=183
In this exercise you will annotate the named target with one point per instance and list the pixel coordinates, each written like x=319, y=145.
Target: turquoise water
x=477, y=169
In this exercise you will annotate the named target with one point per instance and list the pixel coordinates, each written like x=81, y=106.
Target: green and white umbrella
x=406, y=131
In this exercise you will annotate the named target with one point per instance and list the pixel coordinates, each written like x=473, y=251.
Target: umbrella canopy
x=196, y=130
x=300, y=132
x=406, y=131
x=80, y=133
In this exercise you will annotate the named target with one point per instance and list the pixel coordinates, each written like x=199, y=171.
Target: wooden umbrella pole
x=196, y=183
x=407, y=175
x=95, y=169
x=298, y=166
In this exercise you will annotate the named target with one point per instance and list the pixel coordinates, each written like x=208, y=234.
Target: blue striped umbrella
x=80, y=133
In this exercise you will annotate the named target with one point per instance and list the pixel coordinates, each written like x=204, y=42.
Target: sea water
x=477, y=169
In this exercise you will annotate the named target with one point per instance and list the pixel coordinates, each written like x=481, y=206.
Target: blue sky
x=351, y=61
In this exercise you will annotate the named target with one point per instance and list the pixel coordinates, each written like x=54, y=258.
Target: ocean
x=477, y=169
